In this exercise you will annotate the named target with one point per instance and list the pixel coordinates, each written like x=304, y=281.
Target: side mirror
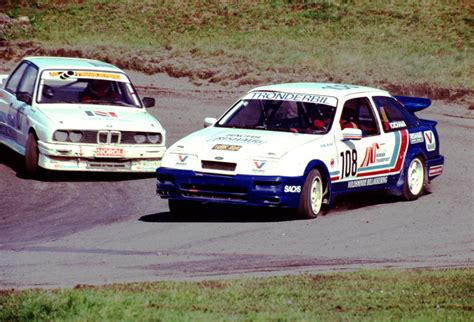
x=24, y=97
x=148, y=101
x=209, y=121
x=351, y=134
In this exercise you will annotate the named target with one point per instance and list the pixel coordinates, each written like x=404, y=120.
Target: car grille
x=221, y=192
x=113, y=137
x=214, y=165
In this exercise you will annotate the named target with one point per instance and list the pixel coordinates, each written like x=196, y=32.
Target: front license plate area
x=109, y=152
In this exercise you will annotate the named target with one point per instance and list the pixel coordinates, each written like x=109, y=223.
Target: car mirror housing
x=148, y=101
x=209, y=121
x=351, y=134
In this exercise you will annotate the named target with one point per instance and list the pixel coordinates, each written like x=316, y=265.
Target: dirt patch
x=201, y=75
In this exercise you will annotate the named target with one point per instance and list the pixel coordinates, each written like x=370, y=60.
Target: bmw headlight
x=139, y=138
x=154, y=138
x=61, y=136
x=75, y=136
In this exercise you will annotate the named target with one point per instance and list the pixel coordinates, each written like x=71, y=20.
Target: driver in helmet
x=98, y=90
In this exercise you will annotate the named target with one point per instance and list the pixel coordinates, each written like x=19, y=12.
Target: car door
x=7, y=100
x=363, y=161
x=21, y=88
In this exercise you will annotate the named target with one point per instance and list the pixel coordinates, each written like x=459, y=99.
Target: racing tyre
x=415, y=179
x=311, y=201
x=31, y=156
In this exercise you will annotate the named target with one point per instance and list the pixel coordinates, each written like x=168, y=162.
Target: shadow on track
x=228, y=213
x=224, y=213
x=15, y=161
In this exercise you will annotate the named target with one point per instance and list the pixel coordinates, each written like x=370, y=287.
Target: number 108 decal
x=349, y=163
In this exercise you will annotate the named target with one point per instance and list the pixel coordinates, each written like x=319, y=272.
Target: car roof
x=44, y=62
x=327, y=89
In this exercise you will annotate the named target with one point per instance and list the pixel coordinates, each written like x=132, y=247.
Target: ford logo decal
x=219, y=158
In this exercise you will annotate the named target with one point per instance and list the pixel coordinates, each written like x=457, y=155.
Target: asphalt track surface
x=76, y=228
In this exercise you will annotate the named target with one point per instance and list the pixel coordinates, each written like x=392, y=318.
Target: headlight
x=75, y=136
x=60, y=136
x=140, y=138
x=154, y=138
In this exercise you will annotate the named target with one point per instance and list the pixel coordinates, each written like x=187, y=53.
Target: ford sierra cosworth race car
x=78, y=115
x=299, y=145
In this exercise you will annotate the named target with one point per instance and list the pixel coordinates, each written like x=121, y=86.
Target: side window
x=28, y=81
x=15, y=78
x=393, y=115
x=357, y=113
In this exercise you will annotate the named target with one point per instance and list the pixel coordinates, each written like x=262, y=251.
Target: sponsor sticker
x=283, y=96
x=292, y=189
x=370, y=155
x=109, y=152
x=416, y=137
x=71, y=73
x=226, y=147
x=430, y=140
x=239, y=138
x=100, y=114
x=367, y=182
x=397, y=125
x=259, y=164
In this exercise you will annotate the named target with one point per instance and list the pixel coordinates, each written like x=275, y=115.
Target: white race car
x=78, y=115
x=299, y=145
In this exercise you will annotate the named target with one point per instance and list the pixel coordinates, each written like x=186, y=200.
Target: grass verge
x=381, y=295
x=421, y=46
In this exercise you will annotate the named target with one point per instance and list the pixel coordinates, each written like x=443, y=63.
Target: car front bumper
x=131, y=158
x=269, y=191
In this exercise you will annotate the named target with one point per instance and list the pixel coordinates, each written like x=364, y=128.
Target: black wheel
x=311, y=201
x=415, y=179
x=31, y=156
x=183, y=207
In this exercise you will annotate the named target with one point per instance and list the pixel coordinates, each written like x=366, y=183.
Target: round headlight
x=153, y=138
x=75, y=136
x=139, y=138
x=60, y=136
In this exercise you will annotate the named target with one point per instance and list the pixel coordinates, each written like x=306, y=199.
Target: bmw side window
x=15, y=78
x=27, y=84
x=393, y=115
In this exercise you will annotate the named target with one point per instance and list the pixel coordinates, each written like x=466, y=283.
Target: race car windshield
x=87, y=91
x=277, y=115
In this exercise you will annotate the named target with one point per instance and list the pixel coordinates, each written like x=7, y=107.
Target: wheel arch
x=411, y=154
x=321, y=166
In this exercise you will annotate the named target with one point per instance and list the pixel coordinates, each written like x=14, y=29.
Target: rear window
x=393, y=115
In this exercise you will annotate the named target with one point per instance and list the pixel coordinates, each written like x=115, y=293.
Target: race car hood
x=87, y=117
x=216, y=141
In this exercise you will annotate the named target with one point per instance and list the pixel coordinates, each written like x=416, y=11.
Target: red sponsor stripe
x=334, y=178
x=403, y=150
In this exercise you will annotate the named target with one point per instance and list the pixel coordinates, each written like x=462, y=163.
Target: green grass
x=428, y=295
x=423, y=45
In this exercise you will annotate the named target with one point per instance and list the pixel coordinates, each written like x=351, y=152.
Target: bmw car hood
x=100, y=117
x=250, y=143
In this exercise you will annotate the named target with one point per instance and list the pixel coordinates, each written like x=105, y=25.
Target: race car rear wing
x=414, y=104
